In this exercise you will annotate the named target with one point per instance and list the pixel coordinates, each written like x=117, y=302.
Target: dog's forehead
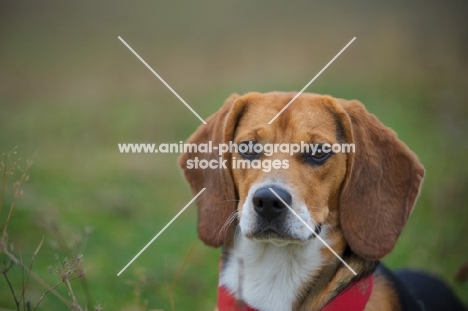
x=307, y=114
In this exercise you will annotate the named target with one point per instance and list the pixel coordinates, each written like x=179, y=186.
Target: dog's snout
x=268, y=205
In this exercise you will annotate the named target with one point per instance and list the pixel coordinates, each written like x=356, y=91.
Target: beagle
x=273, y=225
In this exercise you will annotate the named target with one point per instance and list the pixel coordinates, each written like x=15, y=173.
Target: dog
x=274, y=225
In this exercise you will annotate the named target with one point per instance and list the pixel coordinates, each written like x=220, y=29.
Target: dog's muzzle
x=273, y=215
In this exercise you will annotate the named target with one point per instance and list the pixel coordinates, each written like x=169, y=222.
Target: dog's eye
x=249, y=149
x=318, y=157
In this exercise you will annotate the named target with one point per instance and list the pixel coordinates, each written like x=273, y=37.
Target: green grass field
x=70, y=92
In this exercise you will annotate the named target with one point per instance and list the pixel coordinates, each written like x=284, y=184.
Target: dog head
x=366, y=193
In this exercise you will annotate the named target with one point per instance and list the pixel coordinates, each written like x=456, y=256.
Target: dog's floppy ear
x=219, y=200
x=381, y=186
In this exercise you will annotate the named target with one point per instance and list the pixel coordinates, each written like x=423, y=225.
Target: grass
x=120, y=229
x=13, y=265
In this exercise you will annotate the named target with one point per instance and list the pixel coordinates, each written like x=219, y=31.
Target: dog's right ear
x=219, y=201
x=383, y=181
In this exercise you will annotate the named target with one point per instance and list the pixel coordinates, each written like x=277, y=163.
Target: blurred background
x=70, y=91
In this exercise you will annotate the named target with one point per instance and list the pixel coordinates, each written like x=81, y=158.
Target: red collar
x=353, y=298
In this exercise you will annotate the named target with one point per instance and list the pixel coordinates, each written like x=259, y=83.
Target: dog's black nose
x=268, y=205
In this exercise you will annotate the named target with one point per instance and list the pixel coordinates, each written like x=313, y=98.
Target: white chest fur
x=268, y=277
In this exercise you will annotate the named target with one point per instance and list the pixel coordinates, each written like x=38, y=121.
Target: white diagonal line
x=162, y=230
x=313, y=231
x=313, y=79
x=162, y=80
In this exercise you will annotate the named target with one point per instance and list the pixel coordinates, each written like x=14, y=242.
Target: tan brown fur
x=383, y=296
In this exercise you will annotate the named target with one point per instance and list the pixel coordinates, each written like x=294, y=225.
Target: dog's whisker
x=329, y=225
x=226, y=225
x=228, y=221
x=315, y=223
x=237, y=234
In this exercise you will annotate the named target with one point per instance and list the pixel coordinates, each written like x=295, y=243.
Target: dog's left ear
x=381, y=186
x=219, y=201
